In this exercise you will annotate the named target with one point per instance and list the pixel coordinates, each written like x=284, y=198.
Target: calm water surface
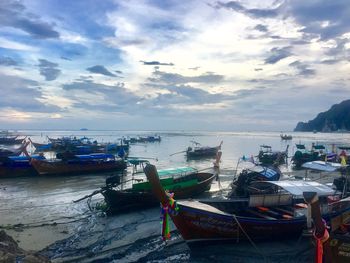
x=34, y=209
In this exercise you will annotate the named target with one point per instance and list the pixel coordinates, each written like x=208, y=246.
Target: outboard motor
x=113, y=181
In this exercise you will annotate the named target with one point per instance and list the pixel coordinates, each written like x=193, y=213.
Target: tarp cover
x=322, y=166
x=298, y=187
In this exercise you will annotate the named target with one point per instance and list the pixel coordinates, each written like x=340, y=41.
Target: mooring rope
x=249, y=239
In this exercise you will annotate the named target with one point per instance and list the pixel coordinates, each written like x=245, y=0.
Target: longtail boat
x=79, y=164
x=10, y=140
x=16, y=166
x=185, y=182
x=202, y=151
x=275, y=211
x=268, y=157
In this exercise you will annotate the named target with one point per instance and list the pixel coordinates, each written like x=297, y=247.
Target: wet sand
x=40, y=215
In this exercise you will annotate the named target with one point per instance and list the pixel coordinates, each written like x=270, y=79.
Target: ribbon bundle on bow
x=170, y=208
x=319, y=243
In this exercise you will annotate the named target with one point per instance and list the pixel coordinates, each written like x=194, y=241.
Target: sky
x=249, y=65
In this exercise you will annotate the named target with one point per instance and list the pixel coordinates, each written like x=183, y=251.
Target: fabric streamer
x=170, y=208
x=319, y=244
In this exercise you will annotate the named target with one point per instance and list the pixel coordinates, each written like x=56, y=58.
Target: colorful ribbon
x=170, y=208
x=319, y=244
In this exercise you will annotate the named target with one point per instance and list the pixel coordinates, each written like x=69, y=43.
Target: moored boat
x=268, y=157
x=286, y=137
x=186, y=182
x=79, y=164
x=202, y=151
x=274, y=211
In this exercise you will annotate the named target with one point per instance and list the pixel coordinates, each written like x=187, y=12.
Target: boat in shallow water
x=197, y=151
x=185, y=182
x=79, y=164
x=273, y=211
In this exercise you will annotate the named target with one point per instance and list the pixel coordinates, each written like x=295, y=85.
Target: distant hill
x=337, y=118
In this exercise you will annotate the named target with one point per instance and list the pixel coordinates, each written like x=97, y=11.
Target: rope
x=250, y=240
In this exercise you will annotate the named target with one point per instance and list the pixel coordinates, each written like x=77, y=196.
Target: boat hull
x=63, y=167
x=129, y=200
x=202, y=225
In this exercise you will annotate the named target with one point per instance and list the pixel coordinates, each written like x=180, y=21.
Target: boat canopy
x=176, y=171
x=322, y=166
x=297, y=188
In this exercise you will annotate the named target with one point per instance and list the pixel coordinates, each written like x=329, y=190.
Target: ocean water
x=37, y=210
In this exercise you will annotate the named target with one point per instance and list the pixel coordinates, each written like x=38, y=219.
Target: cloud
x=277, y=54
x=155, y=63
x=13, y=14
x=252, y=12
x=174, y=78
x=48, y=69
x=22, y=94
x=261, y=28
x=98, y=69
x=7, y=61
x=302, y=68
x=90, y=95
x=327, y=19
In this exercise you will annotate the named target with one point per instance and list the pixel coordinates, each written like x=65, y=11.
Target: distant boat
x=202, y=151
x=84, y=129
x=286, y=137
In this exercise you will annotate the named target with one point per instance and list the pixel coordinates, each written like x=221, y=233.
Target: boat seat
x=258, y=214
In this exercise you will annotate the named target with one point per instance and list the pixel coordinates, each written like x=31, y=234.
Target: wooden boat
x=6, y=140
x=268, y=157
x=202, y=151
x=302, y=155
x=286, y=137
x=79, y=164
x=18, y=166
x=240, y=185
x=274, y=211
x=332, y=245
x=13, y=152
x=186, y=182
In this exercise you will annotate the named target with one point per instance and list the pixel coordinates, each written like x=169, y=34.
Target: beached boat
x=268, y=157
x=16, y=166
x=4, y=152
x=273, y=211
x=7, y=140
x=316, y=153
x=185, y=182
x=240, y=185
x=202, y=151
x=79, y=164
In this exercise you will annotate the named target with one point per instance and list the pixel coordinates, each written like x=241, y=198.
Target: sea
x=40, y=212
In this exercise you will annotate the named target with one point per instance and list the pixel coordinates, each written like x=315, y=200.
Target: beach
x=39, y=212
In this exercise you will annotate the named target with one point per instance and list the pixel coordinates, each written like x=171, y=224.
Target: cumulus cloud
x=48, y=69
x=174, y=78
x=155, y=63
x=22, y=94
x=252, y=12
x=302, y=68
x=7, y=61
x=13, y=14
x=99, y=69
x=277, y=54
x=90, y=95
x=261, y=28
